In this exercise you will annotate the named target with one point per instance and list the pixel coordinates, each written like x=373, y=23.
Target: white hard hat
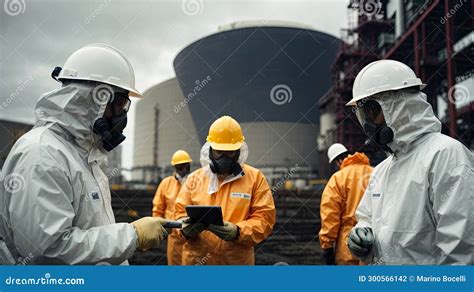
x=380, y=76
x=101, y=63
x=335, y=150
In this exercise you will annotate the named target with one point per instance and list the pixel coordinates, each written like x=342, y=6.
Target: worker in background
x=54, y=193
x=339, y=201
x=242, y=192
x=418, y=206
x=164, y=200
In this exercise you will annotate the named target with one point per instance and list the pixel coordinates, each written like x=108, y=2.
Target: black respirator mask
x=183, y=169
x=225, y=164
x=110, y=129
x=379, y=135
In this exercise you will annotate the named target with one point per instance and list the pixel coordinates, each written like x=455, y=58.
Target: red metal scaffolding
x=426, y=45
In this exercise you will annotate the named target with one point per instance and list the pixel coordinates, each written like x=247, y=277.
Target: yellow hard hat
x=180, y=157
x=225, y=134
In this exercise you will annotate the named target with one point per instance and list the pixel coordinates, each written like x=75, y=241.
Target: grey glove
x=191, y=230
x=360, y=242
x=227, y=232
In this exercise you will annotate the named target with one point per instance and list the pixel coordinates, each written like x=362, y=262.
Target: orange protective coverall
x=339, y=201
x=247, y=202
x=163, y=206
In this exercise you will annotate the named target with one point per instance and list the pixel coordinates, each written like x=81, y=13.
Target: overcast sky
x=36, y=36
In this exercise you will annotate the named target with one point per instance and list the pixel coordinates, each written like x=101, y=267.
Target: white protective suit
x=419, y=202
x=55, y=197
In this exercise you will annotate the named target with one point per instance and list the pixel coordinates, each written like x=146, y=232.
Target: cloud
x=150, y=33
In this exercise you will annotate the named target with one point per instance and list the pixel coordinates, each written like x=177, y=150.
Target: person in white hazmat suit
x=417, y=209
x=55, y=197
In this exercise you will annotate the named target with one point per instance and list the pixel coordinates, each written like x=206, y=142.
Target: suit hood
x=409, y=115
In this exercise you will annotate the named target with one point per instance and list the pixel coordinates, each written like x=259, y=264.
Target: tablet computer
x=172, y=224
x=205, y=214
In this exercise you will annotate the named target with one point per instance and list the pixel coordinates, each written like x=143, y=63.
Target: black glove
x=191, y=230
x=228, y=232
x=328, y=256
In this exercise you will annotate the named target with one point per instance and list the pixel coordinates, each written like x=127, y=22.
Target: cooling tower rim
x=184, y=50
x=263, y=23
